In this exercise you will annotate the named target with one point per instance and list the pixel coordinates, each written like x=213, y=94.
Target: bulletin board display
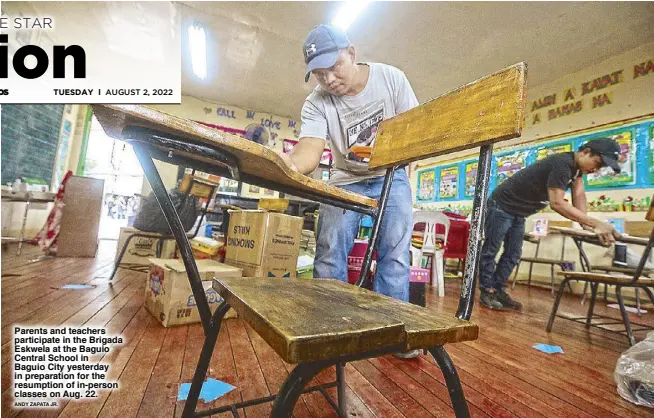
x=605, y=177
x=507, y=165
x=455, y=180
x=470, y=179
x=425, y=191
x=650, y=155
x=449, y=183
x=30, y=140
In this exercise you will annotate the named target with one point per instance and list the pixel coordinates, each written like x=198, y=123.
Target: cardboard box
x=263, y=244
x=205, y=245
x=168, y=295
x=80, y=219
x=141, y=249
x=201, y=187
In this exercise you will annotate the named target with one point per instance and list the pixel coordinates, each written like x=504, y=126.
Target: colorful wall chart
x=448, y=185
x=509, y=164
x=546, y=151
x=471, y=179
x=605, y=177
x=426, y=182
x=636, y=144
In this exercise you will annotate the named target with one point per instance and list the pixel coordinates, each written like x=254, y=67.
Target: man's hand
x=606, y=233
x=287, y=160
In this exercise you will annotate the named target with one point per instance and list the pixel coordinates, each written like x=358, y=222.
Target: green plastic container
x=305, y=272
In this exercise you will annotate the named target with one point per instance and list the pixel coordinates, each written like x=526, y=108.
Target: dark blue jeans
x=500, y=227
x=337, y=229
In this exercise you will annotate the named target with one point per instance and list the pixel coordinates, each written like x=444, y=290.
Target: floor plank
x=502, y=375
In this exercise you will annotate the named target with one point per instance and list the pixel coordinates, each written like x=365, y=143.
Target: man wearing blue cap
x=527, y=192
x=345, y=109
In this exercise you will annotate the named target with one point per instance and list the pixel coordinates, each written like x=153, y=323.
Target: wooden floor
x=502, y=374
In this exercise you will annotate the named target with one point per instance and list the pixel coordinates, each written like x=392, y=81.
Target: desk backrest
x=485, y=111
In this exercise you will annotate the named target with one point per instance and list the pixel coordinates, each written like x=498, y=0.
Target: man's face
x=339, y=78
x=589, y=163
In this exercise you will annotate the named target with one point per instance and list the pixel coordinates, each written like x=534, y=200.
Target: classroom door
x=114, y=161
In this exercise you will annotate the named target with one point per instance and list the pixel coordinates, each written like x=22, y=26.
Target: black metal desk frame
x=606, y=320
x=149, y=144
x=161, y=237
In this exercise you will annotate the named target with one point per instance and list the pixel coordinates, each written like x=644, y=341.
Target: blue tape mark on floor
x=549, y=349
x=77, y=286
x=212, y=389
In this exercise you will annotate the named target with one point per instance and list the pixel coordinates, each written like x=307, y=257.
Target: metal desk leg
x=292, y=387
x=120, y=257
x=363, y=279
x=340, y=379
x=585, y=265
x=22, y=228
x=452, y=380
x=625, y=315
x=475, y=237
x=591, y=306
x=557, y=301
x=161, y=194
x=203, y=362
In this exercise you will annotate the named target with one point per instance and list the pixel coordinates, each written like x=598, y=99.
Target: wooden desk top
x=591, y=236
x=318, y=319
x=256, y=160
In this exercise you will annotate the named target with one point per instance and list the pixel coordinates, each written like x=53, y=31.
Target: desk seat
x=606, y=278
x=306, y=320
x=625, y=270
x=545, y=260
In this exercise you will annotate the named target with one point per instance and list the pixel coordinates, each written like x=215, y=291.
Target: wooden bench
x=321, y=323
x=562, y=262
x=637, y=280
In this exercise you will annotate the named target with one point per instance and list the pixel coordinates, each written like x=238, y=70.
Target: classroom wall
x=630, y=97
x=70, y=139
x=617, y=89
x=279, y=127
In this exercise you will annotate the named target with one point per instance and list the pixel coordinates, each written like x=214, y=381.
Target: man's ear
x=351, y=52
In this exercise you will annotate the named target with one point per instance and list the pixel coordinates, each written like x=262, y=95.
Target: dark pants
x=500, y=227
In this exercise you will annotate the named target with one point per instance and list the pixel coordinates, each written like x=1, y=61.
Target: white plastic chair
x=431, y=219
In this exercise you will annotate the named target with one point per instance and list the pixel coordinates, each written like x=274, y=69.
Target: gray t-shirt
x=345, y=121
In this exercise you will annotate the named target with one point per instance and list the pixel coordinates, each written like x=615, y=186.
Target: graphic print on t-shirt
x=361, y=127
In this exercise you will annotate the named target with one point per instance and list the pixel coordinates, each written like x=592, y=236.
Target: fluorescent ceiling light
x=197, y=39
x=348, y=13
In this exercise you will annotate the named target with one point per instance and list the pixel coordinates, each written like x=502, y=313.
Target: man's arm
x=605, y=231
x=579, y=194
x=572, y=212
x=306, y=155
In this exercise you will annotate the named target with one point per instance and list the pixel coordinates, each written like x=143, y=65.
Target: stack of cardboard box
x=263, y=244
x=168, y=295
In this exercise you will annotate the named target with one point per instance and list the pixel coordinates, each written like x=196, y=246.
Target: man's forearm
x=303, y=163
x=306, y=155
x=573, y=213
x=580, y=203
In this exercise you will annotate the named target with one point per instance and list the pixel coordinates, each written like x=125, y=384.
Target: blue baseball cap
x=321, y=47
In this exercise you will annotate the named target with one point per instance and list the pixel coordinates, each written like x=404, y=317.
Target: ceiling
x=255, y=59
